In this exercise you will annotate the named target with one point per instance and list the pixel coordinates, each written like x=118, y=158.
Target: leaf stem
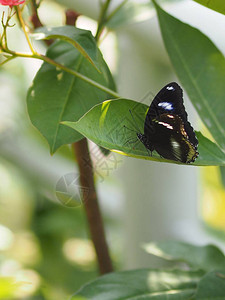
x=64, y=68
x=102, y=19
x=79, y=75
x=116, y=10
x=3, y=40
x=7, y=60
x=19, y=14
x=36, y=55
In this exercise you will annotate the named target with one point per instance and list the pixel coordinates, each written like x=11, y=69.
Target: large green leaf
x=212, y=286
x=204, y=257
x=217, y=5
x=200, y=67
x=57, y=96
x=142, y=284
x=81, y=39
x=104, y=125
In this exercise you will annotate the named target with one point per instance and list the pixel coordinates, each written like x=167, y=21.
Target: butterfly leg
x=130, y=141
x=135, y=144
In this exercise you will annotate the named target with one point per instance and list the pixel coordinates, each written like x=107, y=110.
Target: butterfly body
x=167, y=129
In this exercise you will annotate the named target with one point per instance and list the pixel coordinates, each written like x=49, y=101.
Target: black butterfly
x=167, y=129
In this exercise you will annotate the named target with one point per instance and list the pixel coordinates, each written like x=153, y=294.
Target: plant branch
x=102, y=19
x=71, y=17
x=36, y=22
x=91, y=206
x=24, y=29
x=64, y=68
x=116, y=10
x=3, y=40
x=34, y=7
x=7, y=60
x=90, y=200
x=79, y=75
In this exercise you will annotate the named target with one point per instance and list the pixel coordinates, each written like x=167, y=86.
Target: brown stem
x=37, y=23
x=90, y=200
x=91, y=206
x=71, y=17
x=35, y=20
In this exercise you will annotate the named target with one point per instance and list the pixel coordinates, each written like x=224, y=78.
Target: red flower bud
x=11, y=2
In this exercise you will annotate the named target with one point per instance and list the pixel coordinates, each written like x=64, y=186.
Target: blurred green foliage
x=45, y=251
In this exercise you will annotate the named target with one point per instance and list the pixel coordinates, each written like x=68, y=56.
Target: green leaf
x=210, y=153
x=217, y=5
x=142, y=284
x=200, y=66
x=204, y=257
x=56, y=95
x=211, y=286
x=222, y=172
x=81, y=39
x=104, y=125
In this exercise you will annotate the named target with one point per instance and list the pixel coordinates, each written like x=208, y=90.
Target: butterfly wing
x=170, y=139
x=169, y=100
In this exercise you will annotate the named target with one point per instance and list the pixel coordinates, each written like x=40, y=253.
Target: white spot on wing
x=32, y=93
x=170, y=88
x=176, y=148
x=166, y=105
x=175, y=144
x=166, y=125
